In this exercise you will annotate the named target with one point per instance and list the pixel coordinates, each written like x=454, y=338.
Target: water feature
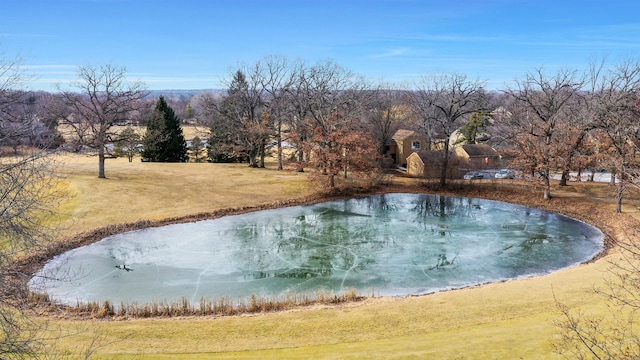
x=395, y=244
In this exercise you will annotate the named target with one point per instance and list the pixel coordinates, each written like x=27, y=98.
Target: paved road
x=597, y=177
x=604, y=177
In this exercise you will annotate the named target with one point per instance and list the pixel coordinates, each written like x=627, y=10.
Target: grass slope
x=152, y=191
x=507, y=320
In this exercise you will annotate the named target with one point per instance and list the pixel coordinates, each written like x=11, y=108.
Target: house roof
x=429, y=157
x=479, y=150
x=434, y=157
x=402, y=134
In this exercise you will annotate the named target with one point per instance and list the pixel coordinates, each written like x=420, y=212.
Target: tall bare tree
x=619, y=117
x=444, y=102
x=27, y=197
x=299, y=97
x=277, y=76
x=542, y=108
x=386, y=112
x=104, y=99
x=334, y=125
x=577, y=130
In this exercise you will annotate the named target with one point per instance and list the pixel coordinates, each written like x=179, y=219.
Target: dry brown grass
x=189, y=131
x=152, y=191
x=506, y=320
x=184, y=308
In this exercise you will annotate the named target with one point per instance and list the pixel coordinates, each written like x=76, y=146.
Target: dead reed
x=224, y=306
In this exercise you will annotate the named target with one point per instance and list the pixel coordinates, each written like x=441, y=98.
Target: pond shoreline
x=575, y=207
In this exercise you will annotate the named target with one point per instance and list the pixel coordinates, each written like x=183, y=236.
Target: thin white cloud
x=46, y=76
x=589, y=43
x=621, y=31
x=52, y=81
x=454, y=38
x=390, y=53
x=608, y=37
x=45, y=70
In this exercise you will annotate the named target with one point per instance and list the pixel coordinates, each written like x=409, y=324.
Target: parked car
x=505, y=174
x=473, y=175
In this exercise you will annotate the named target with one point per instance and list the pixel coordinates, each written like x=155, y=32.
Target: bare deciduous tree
x=618, y=116
x=203, y=104
x=444, y=101
x=577, y=130
x=28, y=197
x=615, y=109
x=277, y=76
x=542, y=114
x=334, y=115
x=299, y=97
x=386, y=114
x=105, y=98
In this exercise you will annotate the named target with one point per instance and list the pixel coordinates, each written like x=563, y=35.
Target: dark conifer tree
x=164, y=140
x=238, y=130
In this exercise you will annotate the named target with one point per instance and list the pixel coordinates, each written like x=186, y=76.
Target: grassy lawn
x=507, y=320
x=152, y=191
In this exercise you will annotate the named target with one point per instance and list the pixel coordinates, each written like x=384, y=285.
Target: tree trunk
x=252, y=160
x=101, y=162
x=619, y=196
x=279, y=139
x=300, y=160
x=622, y=178
x=262, y=155
x=547, y=185
x=346, y=163
x=564, y=177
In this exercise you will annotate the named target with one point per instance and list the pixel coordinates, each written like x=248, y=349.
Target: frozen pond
x=394, y=244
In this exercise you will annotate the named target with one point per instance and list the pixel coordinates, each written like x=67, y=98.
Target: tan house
x=478, y=156
x=428, y=164
x=405, y=143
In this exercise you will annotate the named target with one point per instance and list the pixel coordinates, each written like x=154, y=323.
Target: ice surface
x=395, y=244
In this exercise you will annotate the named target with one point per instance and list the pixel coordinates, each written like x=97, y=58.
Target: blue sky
x=192, y=44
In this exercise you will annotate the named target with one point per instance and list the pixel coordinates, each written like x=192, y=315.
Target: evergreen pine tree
x=164, y=140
